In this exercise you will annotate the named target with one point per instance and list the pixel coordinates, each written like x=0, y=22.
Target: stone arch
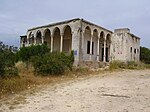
x=31, y=38
x=64, y=28
x=29, y=34
x=101, y=45
x=108, y=42
x=67, y=39
x=87, y=39
x=38, y=37
x=87, y=30
x=56, y=39
x=47, y=37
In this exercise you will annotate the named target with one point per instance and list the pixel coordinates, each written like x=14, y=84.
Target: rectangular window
x=92, y=47
x=135, y=51
x=88, y=47
x=131, y=50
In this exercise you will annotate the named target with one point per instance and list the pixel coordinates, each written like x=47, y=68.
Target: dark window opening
x=92, y=47
x=45, y=42
x=131, y=50
x=88, y=47
x=135, y=51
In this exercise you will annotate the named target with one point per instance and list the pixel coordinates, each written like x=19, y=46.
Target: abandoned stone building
x=90, y=42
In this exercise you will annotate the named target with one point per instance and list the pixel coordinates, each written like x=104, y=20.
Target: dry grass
x=27, y=79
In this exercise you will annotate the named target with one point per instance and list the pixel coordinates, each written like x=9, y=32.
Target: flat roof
x=134, y=35
x=67, y=21
x=53, y=24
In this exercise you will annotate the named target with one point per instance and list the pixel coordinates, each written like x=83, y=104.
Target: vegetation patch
x=128, y=65
x=145, y=55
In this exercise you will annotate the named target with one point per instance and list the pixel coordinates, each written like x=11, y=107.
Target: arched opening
x=94, y=44
x=56, y=40
x=67, y=40
x=47, y=38
x=38, y=38
x=87, y=40
x=101, y=46
x=108, y=42
x=31, y=38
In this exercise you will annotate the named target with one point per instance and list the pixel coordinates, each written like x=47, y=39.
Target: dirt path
x=127, y=91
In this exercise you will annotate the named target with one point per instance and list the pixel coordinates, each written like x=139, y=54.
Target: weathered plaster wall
x=123, y=42
x=119, y=44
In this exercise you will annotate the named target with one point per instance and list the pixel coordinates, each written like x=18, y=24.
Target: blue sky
x=16, y=16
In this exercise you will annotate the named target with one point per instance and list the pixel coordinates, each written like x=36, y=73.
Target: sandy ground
x=127, y=91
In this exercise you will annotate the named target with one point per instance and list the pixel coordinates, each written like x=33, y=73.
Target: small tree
x=7, y=64
x=145, y=55
x=53, y=63
x=2, y=64
x=26, y=53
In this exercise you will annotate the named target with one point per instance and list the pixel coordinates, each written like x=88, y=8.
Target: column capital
x=42, y=39
x=62, y=34
x=61, y=42
x=92, y=34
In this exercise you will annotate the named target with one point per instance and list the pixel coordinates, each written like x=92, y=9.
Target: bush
x=25, y=53
x=2, y=64
x=67, y=60
x=7, y=64
x=127, y=65
x=43, y=61
x=52, y=63
x=145, y=55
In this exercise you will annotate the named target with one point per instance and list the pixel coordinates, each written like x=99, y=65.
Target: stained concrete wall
x=123, y=42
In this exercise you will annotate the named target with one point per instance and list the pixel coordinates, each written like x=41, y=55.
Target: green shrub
x=25, y=53
x=52, y=63
x=7, y=64
x=145, y=55
x=128, y=65
x=2, y=65
x=43, y=61
x=67, y=60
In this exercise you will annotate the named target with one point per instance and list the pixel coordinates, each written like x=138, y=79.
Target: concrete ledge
x=93, y=64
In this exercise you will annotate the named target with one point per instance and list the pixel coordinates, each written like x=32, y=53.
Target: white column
x=90, y=58
x=27, y=41
x=110, y=52
x=104, y=57
x=34, y=40
x=82, y=47
x=42, y=39
x=61, y=42
x=98, y=49
x=51, y=43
